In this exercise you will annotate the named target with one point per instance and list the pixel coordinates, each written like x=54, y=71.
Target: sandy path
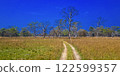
x=76, y=55
x=64, y=54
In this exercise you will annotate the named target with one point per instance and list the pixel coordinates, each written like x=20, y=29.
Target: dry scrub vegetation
x=97, y=48
x=30, y=48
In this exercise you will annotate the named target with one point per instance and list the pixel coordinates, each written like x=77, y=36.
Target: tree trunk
x=97, y=34
x=69, y=28
x=69, y=35
x=59, y=35
x=44, y=36
x=75, y=35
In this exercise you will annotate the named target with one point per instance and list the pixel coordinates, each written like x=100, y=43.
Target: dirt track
x=64, y=54
x=76, y=55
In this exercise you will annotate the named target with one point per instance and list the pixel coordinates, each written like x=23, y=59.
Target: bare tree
x=68, y=14
x=44, y=26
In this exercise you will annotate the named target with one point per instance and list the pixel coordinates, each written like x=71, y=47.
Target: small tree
x=107, y=32
x=115, y=30
x=65, y=32
x=13, y=32
x=75, y=27
x=52, y=33
x=24, y=32
x=91, y=31
x=60, y=25
x=99, y=24
x=2, y=32
x=45, y=27
x=33, y=28
x=82, y=32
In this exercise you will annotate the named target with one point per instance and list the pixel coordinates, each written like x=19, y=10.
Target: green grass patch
x=70, y=55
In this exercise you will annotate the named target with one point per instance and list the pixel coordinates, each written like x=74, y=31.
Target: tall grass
x=97, y=48
x=30, y=48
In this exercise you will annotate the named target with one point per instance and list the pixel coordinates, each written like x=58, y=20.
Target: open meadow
x=30, y=48
x=97, y=48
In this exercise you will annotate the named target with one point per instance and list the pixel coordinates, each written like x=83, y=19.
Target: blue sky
x=22, y=12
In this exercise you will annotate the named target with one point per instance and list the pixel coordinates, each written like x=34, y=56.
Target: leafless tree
x=44, y=26
x=68, y=14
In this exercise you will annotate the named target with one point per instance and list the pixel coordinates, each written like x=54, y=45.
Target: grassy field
x=30, y=49
x=97, y=48
x=70, y=55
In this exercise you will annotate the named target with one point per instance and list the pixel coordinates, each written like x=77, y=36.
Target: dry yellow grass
x=30, y=48
x=97, y=48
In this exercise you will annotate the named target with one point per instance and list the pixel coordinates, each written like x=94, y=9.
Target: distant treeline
x=67, y=26
x=55, y=32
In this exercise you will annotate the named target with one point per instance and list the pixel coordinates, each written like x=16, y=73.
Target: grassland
x=70, y=55
x=30, y=48
x=97, y=48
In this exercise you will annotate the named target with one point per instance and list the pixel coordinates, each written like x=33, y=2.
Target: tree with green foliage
x=33, y=28
x=65, y=32
x=59, y=26
x=75, y=27
x=99, y=26
x=82, y=32
x=52, y=32
x=107, y=32
x=115, y=30
x=2, y=32
x=13, y=32
x=24, y=32
x=92, y=31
